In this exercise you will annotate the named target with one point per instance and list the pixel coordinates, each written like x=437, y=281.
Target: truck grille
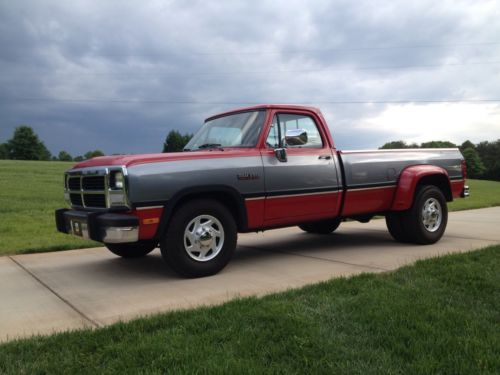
x=95, y=188
x=87, y=191
x=95, y=200
x=76, y=199
x=93, y=183
x=74, y=183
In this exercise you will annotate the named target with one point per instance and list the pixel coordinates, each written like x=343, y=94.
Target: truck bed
x=372, y=168
x=370, y=177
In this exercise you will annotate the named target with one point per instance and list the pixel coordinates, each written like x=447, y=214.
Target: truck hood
x=129, y=160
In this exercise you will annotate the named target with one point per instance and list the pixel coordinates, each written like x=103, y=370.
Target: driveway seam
x=444, y=236
x=64, y=300
x=472, y=238
x=316, y=258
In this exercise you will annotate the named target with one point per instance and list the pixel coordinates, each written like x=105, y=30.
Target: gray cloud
x=99, y=74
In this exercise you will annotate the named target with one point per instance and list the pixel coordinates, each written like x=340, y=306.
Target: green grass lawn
x=483, y=194
x=439, y=316
x=30, y=191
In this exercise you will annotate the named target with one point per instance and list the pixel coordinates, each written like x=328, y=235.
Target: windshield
x=238, y=130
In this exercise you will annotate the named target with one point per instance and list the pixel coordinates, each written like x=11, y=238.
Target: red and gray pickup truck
x=255, y=169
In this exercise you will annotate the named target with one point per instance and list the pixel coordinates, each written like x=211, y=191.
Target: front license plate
x=76, y=228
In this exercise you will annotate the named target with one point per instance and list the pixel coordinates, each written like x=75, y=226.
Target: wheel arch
x=226, y=195
x=417, y=175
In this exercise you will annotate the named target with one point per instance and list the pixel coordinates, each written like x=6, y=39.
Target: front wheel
x=132, y=250
x=200, y=239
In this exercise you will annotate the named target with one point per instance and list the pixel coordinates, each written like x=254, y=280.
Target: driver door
x=305, y=186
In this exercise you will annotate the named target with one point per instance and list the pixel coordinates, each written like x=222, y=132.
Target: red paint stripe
x=255, y=213
x=457, y=186
x=129, y=160
x=296, y=209
x=368, y=201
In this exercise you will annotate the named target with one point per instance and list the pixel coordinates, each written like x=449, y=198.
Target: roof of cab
x=266, y=106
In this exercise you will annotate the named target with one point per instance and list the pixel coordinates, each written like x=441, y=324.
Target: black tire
x=394, y=222
x=413, y=220
x=180, y=254
x=321, y=227
x=132, y=250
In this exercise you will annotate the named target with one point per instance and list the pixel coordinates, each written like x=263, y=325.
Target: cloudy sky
x=118, y=75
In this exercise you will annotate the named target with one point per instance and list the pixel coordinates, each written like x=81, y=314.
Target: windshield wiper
x=210, y=145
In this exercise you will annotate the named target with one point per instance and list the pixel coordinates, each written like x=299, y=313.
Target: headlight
x=118, y=182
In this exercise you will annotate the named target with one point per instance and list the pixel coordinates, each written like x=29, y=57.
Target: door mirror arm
x=280, y=154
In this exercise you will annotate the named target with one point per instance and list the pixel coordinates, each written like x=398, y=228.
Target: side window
x=273, y=138
x=291, y=122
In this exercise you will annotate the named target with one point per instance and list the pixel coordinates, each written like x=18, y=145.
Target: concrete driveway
x=51, y=292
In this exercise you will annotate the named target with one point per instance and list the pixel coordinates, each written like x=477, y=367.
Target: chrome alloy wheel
x=432, y=215
x=203, y=238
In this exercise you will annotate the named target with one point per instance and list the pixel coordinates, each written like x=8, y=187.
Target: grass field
x=30, y=191
x=483, y=194
x=438, y=316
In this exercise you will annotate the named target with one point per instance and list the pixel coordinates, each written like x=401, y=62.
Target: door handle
x=324, y=157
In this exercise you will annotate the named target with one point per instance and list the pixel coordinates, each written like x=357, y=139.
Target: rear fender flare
x=409, y=179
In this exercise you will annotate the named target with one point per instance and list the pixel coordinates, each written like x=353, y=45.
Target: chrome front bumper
x=120, y=234
x=97, y=226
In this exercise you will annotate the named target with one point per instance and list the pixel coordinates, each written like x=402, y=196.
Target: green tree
x=438, y=144
x=394, y=144
x=397, y=145
x=489, y=152
x=467, y=144
x=93, y=154
x=175, y=141
x=44, y=153
x=65, y=156
x=79, y=158
x=4, y=151
x=431, y=144
x=25, y=145
x=475, y=167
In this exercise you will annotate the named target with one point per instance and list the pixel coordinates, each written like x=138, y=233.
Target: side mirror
x=281, y=154
x=296, y=137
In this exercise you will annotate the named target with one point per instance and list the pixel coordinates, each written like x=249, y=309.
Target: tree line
x=482, y=159
x=26, y=145
x=176, y=141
